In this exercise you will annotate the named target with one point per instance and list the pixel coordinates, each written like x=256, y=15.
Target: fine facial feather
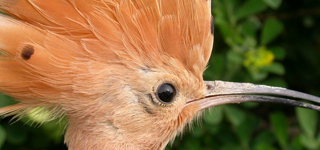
x=91, y=56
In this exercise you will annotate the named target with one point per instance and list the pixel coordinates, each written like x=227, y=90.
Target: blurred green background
x=270, y=42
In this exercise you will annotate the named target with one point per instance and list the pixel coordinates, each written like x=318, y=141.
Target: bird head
x=127, y=74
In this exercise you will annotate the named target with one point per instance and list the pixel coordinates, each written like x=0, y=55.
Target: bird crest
x=127, y=74
x=73, y=56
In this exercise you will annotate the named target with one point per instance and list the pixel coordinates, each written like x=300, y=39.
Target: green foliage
x=279, y=124
x=249, y=7
x=24, y=135
x=271, y=29
x=2, y=136
x=275, y=4
x=5, y=100
x=270, y=42
x=308, y=122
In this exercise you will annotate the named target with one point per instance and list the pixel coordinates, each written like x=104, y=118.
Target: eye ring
x=166, y=93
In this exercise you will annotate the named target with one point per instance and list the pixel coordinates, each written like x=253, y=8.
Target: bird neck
x=82, y=136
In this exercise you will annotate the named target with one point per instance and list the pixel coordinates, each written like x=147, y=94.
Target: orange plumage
x=127, y=74
x=100, y=61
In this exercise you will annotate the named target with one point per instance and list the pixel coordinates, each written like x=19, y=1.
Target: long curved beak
x=220, y=92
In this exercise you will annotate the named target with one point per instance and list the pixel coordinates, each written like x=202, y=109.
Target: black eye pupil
x=166, y=93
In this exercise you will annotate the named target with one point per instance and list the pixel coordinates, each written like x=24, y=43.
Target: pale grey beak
x=220, y=92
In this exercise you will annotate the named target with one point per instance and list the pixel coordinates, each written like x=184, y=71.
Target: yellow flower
x=259, y=58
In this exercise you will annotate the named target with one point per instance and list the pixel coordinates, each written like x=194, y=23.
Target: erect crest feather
x=66, y=35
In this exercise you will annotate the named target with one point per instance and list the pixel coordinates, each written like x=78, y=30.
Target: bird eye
x=166, y=93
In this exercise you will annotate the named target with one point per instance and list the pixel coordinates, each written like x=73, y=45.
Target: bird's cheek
x=188, y=113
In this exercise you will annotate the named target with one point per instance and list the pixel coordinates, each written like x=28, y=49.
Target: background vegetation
x=270, y=42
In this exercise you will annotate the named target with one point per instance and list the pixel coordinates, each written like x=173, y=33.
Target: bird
x=127, y=74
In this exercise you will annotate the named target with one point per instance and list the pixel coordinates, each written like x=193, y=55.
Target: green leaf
x=5, y=100
x=214, y=116
x=197, y=131
x=275, y=68
x=250, y=104
x=264, y=146
x=245, y=130
x=280, y=126
x=309, y=142
x=215, y=69
x=191, y=143
x=278, y=52
x=16, y=134
x=250, y=27
x=275, y=4
x=257, y=75
x=231, y=147
x=271, y=29
x=279, y=82
x=234, y=57
x=307, y=120
x=296, y=143
x=39, y=114
x=54, y=129
x=225, y=29
x=168, y=148
x=264, y=137
x=229, y=11
x=211, y=129
x=250, y=7
x=2, y=136
x=226, y=136
x=235, y=115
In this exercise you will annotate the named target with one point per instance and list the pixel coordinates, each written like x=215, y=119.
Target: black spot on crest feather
x=27, y=52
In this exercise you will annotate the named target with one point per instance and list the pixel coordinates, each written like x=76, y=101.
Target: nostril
x=210, y=87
